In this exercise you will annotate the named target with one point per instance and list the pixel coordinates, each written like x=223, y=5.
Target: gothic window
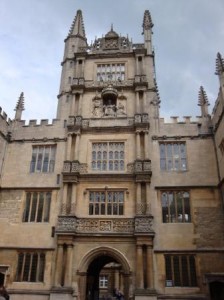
x=173, y=156
x=43, y=159
x=108, y=156
x=111, y=72
x=180, y=270
x=175, y=206
x=106, y=203
x=37, y=207
x=30, y=267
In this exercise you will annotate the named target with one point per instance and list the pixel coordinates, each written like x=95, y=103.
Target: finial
x=147, y=20
x=77, y=27
x=19, y=107
x=20, y=102
x=219, y=64
x=112, y=29
x=203, y=101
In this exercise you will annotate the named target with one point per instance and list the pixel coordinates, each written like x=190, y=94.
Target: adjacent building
x=109, y=196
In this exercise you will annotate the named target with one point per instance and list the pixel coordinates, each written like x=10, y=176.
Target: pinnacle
x=147, y=20
x=219, y=64
x=202, y=97
x=20, y=103
x=77, y=27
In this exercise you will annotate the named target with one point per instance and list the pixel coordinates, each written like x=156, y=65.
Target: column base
x=61, y=293
x=145, y=294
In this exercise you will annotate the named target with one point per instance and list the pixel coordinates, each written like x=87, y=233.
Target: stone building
x=110, y=196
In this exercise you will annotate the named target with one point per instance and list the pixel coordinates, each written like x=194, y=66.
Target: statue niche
x=108, y=105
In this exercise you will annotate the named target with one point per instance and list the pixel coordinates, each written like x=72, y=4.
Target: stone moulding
x=76, y=225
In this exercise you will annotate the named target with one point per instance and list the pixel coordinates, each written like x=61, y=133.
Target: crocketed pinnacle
x=20, y=103
x=202, y=97
x=77, y=27
x=219, y=64
x=147, y=20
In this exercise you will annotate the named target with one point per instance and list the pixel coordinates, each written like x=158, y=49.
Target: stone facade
x=109, y=191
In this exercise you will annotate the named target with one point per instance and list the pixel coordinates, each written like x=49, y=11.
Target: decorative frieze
x=87, y=225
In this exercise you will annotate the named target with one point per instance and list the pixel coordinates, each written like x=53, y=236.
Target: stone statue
x=120, y=109
x=109, y=109
x=97, y=108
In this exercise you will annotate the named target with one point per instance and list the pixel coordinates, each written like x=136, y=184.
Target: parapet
x=4, y=116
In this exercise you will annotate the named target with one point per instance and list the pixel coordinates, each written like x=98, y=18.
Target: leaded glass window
x=180, y=270
x=173, y=156
x=37, y=207
x=108, y=156
x=111, y=72
x=43, y=159
x=30, y=267
x=106, y=202
x=176, y=207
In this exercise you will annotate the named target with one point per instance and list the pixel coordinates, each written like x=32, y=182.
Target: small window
x=180, y=271
x=37, y=207
x=106, y=203
x=103, y=281
x=43, y=159
x=173, y=156
x=30, y=267
x=175, y=206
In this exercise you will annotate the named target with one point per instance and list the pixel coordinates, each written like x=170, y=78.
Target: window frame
x=106, y=206
x=116, y=71
x=30, y=266
x=40, y=156
x=180, y=273
x=173, y=157
x=107, y=161
x=37, y=207
x=176, y=214
x=105, y=279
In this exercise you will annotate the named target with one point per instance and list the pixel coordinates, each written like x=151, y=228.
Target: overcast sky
x=187, y=36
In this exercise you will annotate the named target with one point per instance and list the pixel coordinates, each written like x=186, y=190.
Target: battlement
x=43, y=122
x=182, y=120
x=4, y=116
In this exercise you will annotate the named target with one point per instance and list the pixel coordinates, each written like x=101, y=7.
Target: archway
x=101, y=266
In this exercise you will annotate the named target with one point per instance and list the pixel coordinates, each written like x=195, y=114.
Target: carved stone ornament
x=143, y=224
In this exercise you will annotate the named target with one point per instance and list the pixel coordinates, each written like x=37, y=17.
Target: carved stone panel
x=143, y=224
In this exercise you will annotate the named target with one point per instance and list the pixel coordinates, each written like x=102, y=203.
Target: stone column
x=146, y=144
x=139, y=268
x=77, y=146
x=64, y=198
x=138, y=149
x=73, y=203
x=149, y=273
x=116, y=279
x=80, y=104
x=136, y=65
x=144, y=102
x=138, y=198
x=69, y=146
x=68, y=267
x=72, y=110
x=59, y=264
x=137, y=105
x=148, y=204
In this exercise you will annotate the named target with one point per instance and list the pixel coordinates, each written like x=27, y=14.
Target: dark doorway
x=217, y=290
x=101, y=278
x=2, y=278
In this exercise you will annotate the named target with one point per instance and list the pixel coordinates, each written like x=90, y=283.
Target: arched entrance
x=101, y=271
